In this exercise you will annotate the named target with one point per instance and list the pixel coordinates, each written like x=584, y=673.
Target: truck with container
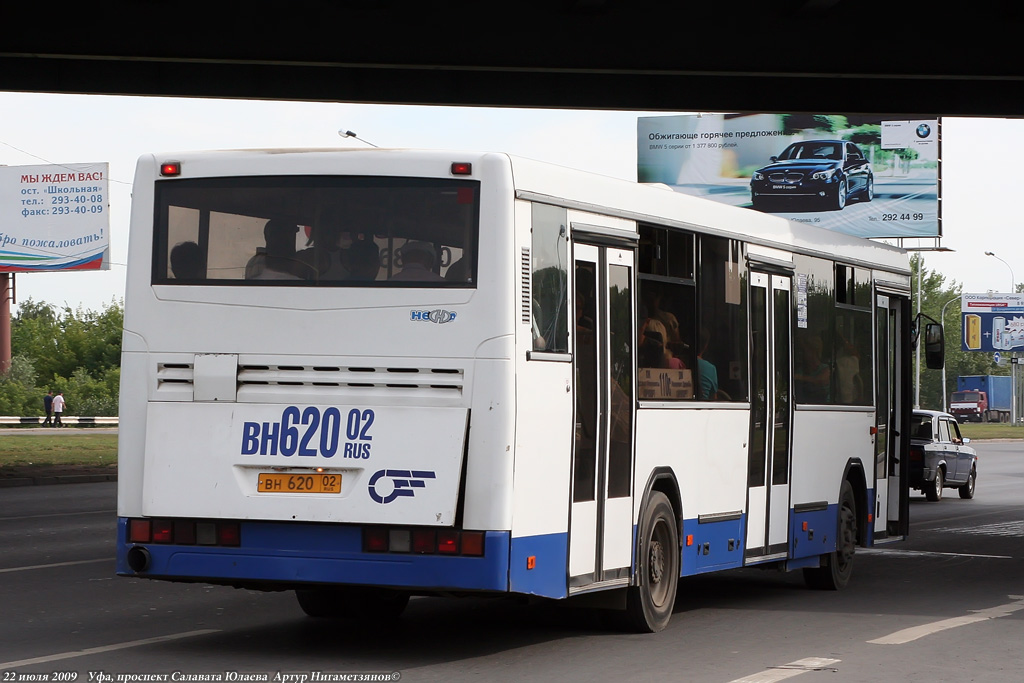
x=982, y=398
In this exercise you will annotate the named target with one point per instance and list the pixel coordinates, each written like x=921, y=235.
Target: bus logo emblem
x=404, y=484
x=438, y=316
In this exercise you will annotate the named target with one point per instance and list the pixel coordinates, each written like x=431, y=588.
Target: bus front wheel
x=352, y=602
x=649, y=603
x=837, y=566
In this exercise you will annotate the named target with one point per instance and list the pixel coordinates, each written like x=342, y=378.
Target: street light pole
x=1013, y=359
x=942, y=317
x=1013, y=280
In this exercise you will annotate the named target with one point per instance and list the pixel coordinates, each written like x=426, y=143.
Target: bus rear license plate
x=299, y=483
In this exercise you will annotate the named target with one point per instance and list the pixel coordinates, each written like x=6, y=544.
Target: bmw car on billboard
x=860, y=175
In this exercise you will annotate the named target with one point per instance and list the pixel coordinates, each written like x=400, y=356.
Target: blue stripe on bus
x=321, y=553
x=820, y=536
x=546, y=574
x=716, y=545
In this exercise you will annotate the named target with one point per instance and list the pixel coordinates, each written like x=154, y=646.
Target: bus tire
x=352, y=602
x=649, y=603
x=837, y=566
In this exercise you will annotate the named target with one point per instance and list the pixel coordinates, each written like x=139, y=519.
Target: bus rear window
x=316, y=231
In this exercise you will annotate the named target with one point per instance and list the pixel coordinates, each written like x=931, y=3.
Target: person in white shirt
x=58, y=408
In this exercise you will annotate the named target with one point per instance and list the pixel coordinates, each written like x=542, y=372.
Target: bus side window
x=549, y=279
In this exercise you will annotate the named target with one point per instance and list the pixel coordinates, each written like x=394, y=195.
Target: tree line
x=60, y=349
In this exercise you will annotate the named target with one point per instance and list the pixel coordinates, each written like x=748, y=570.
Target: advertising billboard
x=861, y=175
x=54, y=218
x=992, y=322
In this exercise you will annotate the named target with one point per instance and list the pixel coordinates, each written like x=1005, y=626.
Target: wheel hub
x=657, y=562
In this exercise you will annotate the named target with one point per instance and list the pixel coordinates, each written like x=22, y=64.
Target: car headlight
x=823, y=175
x=758, y=175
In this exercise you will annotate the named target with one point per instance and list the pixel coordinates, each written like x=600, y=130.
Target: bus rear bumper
x=294, y=555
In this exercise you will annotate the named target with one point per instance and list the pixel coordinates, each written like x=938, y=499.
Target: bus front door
x=768, y=464
x=600, y=524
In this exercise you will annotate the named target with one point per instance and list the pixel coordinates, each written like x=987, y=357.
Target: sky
x=980, y=175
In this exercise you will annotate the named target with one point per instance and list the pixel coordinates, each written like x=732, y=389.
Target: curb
x=56, y=479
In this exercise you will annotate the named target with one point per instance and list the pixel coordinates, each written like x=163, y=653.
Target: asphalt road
x=945, y=605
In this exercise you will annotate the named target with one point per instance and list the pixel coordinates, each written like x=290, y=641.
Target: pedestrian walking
x=58, y=408
x=48, y=407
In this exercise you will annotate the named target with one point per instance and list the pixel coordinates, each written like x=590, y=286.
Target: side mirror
x=934, y=346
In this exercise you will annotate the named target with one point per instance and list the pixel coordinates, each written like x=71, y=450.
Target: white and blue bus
x=370, y=374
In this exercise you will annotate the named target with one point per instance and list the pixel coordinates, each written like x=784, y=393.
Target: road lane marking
x=106, y=648
x=892, y=552
x=910, y=634
x=781, y=673
x=55, y=564
x=74, y=513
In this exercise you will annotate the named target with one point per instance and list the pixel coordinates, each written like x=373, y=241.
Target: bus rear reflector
x=139, y=531
x=473, y=543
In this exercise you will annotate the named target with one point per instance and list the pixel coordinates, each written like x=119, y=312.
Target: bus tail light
x=185, y=532
x=423, y=541
x=170, y=168
x=916, y=454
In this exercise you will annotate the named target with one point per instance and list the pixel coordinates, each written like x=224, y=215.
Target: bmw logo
x=924, y=130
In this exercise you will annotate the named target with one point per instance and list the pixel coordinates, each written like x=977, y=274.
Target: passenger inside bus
x=652, y=351
x=187, y=261
x=277, y=260
x=328, y=257
x=417, y=263
x=364, y=259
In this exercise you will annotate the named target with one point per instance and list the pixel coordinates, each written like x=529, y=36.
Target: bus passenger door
x=891, y=492
x=600, y=525
x=771, y=413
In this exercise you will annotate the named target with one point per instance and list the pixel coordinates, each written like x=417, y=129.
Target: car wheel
x=967, y=490
x=835, y=572
x=839, y=200
x=934, y=492
x=649, y=604
x=869, y=191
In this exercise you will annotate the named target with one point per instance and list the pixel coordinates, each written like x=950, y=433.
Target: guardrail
x=69, y=421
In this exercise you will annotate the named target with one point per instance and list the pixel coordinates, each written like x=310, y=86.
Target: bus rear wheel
x=649, y=603
x=352, y=602
x=837, y=566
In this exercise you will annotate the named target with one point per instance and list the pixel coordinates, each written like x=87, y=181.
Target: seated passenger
x=418, y=260
x=187, y=261
x=328, y=257
x=277, y=260
x=364, y=259
x=652, y=351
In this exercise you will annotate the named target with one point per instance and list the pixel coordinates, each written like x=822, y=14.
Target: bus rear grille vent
x=449, y=379
x=174, y=374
